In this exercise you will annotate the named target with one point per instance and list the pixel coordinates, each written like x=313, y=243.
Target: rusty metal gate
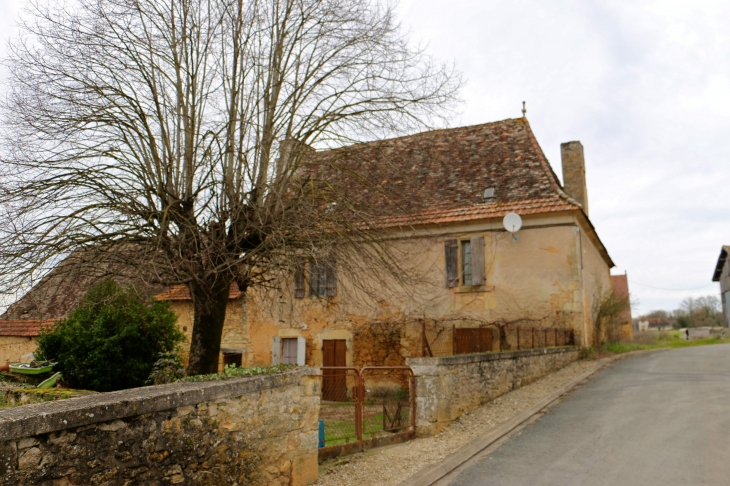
x=365, y=408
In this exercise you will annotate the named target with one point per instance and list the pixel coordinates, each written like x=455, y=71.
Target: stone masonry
x=259, y=430
x=448, y=387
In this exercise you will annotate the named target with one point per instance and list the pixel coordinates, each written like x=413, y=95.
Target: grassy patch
x=672, y=339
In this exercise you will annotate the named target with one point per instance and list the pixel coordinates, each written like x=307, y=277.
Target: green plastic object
x=25, y=369
x=50, y=382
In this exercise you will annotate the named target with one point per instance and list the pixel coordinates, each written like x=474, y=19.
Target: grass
x=659, y=340
x=337, y=432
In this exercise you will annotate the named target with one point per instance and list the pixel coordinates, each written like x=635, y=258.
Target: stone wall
x=448, y=387
x=259, y=430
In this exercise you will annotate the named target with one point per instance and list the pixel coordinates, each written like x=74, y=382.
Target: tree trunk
x=209, y=307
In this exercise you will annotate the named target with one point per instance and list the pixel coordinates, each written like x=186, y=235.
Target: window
x=289, y=351
x=465, y=262
x=317, y=278
x=322, y=278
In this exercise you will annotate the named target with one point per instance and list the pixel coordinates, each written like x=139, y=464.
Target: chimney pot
x=574, y=172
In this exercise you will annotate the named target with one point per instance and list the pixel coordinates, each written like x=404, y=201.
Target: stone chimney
x=574, y=172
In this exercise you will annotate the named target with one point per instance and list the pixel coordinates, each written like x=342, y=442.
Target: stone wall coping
x=43, y=418
x=462, y=359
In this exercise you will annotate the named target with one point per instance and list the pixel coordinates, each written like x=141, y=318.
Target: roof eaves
x=720, y=263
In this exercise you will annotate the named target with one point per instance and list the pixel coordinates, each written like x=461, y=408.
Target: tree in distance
x=175, y=138
x=111, y=340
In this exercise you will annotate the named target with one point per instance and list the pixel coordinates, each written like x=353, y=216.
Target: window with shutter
x=299, y=280
x=478, y=276
x=451, y=250
x=466, y=262
x=289, y=348
x=317, y=278
x=331, y=277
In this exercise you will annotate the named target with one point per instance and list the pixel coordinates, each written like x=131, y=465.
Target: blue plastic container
x=321, y=433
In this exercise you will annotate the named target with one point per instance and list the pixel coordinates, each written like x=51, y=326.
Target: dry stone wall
x=448, y=387
x=259, y=430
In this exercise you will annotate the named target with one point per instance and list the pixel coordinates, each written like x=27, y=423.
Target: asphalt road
x=657, y=419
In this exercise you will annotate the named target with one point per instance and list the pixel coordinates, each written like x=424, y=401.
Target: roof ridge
x=417, y=134
x=548, y=167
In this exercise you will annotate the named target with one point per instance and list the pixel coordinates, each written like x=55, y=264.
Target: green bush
x=112, y=340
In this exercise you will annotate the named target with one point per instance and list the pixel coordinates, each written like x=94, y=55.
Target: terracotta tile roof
x=23, y=328
x=180, y=292
x=440, y=176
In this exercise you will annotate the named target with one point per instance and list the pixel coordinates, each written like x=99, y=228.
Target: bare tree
x=608, y=310
x=175, y=136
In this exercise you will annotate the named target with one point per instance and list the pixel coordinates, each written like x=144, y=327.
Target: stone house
x=462, y=182
x=722, y=275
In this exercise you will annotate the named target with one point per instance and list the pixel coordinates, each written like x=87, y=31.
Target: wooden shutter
x=477, y=261
x=301, y=350
x=275, y=350
x=451, y=248
x=331, y=276
x=299, y=279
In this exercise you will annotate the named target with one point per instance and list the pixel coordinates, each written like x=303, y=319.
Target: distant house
x=722, y=275
x=654, y=324
x=620, y=286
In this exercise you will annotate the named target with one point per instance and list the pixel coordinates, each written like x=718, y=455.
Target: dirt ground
x=391, y=465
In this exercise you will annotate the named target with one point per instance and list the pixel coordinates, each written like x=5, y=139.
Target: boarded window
x=299, y=280
x=451, y=250
x=317, y=278
x=466, y=262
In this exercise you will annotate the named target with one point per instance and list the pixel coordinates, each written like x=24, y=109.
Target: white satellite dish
x=512, y=222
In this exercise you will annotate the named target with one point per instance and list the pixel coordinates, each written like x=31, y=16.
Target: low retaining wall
x=258, y=430
x=447, y=387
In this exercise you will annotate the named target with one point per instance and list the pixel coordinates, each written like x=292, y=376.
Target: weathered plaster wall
x=260, y=430
x=13, y=347
x=450, y=386
x=544, y=279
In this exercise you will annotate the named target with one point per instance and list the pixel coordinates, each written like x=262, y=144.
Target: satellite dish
x=512, y=222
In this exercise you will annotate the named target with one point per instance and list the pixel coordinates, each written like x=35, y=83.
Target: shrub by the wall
x=112, y=340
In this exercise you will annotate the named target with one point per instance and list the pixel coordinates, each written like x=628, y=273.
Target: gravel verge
x=389, y=466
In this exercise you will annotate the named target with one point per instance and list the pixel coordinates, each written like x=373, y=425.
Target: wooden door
x=334, y=382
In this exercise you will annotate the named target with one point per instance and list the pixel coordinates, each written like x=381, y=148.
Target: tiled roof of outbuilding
x=440, y=176
x=22, y=328
x=181, y=292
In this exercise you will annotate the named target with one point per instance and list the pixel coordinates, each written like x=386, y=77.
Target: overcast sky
x=644, y=85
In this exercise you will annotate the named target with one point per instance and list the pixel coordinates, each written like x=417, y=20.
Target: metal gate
x=376, y=406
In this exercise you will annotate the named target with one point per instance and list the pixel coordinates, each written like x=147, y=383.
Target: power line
x=661, y=288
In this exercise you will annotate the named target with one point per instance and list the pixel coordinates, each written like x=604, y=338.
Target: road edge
x=436, y=472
